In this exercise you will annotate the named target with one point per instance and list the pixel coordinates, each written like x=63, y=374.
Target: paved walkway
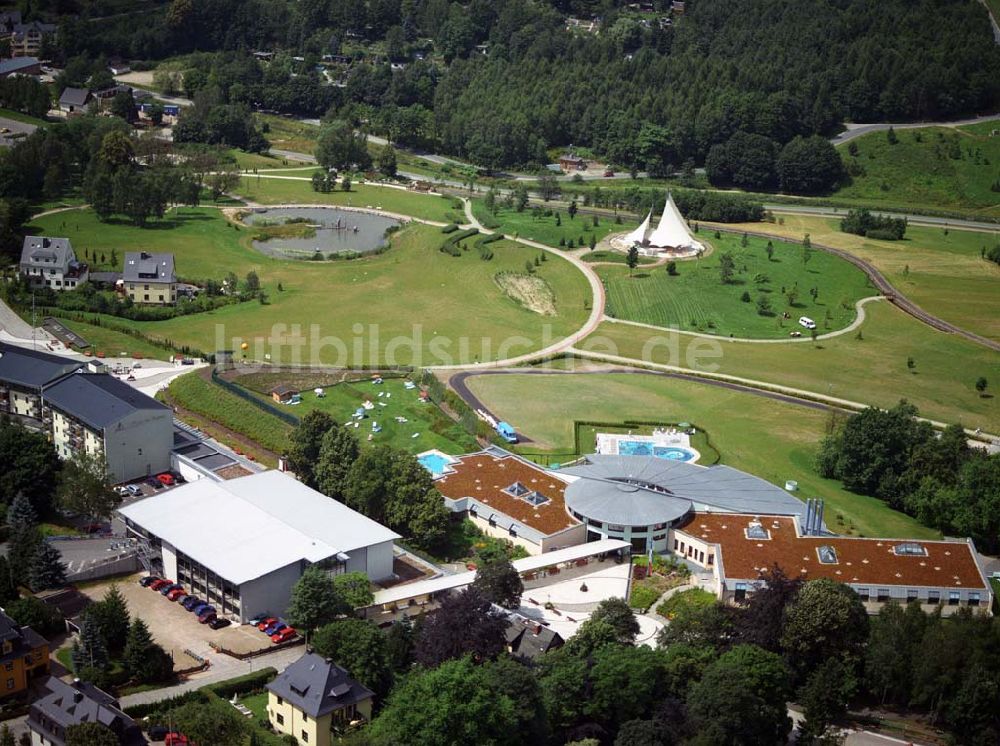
x=859, y=319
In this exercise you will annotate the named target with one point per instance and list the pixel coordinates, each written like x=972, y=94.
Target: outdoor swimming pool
x=645, y=448
x=435, y=462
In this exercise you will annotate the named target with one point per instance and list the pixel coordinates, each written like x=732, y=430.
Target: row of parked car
x=158, y=482
x=274, y=628
x=203, y=610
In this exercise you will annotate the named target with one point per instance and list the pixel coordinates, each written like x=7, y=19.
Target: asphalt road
x=16, y=130
x=980, y=225
x=857, y=130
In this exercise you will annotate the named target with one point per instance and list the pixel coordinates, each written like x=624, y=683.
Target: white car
x=807, y=322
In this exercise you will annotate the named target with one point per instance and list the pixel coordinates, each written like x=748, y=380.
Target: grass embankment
x=536, y=226
x=19, y=116
x=941, y=270
x=112, y=343
x=611, y=257
x=418, y=305
x=936, y=168
x=773, y=440
x=215, y=403
x=285, y=133
x=425, y=427
x=298, y=190
x=696, y=300
x=871, y=369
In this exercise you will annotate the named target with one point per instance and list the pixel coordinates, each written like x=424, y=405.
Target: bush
x=863, y=223
x=642, y=597
x=450, y=228
x=242, y=684
x=689, y=599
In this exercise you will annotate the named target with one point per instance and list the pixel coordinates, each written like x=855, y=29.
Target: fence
x=239, y=391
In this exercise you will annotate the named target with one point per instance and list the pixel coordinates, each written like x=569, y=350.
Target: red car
x=176, y=739
x=265, y=623
x=286, y=634
x=157, y=585
x=176, y=593
x=166, y=479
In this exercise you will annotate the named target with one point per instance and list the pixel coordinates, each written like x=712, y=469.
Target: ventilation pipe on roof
x=819, y=517
x=807, y=522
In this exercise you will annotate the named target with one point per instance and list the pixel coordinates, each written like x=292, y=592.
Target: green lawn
x=938, y=168
x=426, y=426
x=696, y=300
x=411, y=304
x=871, y=369
x=212, y=401
x=943, y=272
x=267, y=161
x=773, y=440
x=614, y=257
x=18, y=116
x=285, y=133
x=298, y=190
x=112, y=343
x=534, y=225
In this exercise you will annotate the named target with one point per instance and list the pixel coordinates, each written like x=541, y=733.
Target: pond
x=336, y=231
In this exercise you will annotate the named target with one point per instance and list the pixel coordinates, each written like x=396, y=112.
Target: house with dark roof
x=24, y=656
x=51, y=263
x=150, y=278
x=72, y=703
x=528, y=639
x=101, y=415
x=24, y=374
x=20, y=66
x=74, y=100
x=313, y=697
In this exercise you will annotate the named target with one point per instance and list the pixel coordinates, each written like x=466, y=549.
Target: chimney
x=807, y=522
x=537, y=629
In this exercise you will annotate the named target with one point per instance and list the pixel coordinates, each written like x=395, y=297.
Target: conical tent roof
x=639, y=234
x=672, y=232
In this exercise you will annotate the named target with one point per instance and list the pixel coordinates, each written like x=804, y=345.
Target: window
x=711, y=560
x=933, y=597
x=973, y=599
x=911, y=595
x=615, y=527
x=8, y=667
x=305, y=736
x=755, y=530
x=910, y=549
x=659, y=537
x=863, y=593
x=145, y=287
x=10, y=683
x=741, y=592
x=827, y=555
x=146, y=296
x=281, y=701
x=954, y=597
x=675, y=545
x=701, y=557
x=883, y=595
x=280, y=718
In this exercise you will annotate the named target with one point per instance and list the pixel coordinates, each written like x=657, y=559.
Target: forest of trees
x=645, y=96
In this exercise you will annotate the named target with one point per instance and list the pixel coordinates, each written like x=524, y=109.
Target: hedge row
x=450, y=246
x=223, y=690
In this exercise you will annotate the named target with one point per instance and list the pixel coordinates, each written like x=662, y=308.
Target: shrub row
x=450, y=246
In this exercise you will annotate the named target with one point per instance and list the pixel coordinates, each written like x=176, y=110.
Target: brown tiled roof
x=484, y=477
x=948, y=564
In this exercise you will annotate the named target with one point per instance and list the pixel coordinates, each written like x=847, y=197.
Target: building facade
x=149, y=278
x=51, y=262
x=24, y=656
x=314, y=698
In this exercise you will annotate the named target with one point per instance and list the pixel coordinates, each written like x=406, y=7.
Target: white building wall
x=26, y=405
x=139, y=445
x=269, y=594
x=378, y=560
x=169, y=555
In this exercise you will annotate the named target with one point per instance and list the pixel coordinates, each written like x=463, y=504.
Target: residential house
x=118, y=66
x=20, y=66
x=284, y=394
x=313, y=697
x=569, y=162
x=103, y=416
x=71, y=703
x=51, y=262
x=150, y=278
x=24, y=656
x=74, y=100
x=528, y=639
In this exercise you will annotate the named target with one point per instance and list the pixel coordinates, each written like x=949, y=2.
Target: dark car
x=158, y=733
x=172, y=587
x=148, y=581
x=190, y=602
x=207, y=616
x=218, y=623
x=202, y=608
x=275, y=628
x=154, y=483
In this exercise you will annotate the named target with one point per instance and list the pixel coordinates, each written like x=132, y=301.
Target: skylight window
x=536, y=498
x=755, y=530
x=517, y=490
x=827, y=555
x=910, y=549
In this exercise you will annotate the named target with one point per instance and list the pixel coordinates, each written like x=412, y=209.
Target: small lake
x=336, y=231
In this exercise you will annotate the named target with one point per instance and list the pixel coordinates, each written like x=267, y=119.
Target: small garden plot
x=529, y=291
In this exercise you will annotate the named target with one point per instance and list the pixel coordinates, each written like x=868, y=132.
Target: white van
x=807, y=322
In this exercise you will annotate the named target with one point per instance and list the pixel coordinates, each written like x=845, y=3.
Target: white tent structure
x=672, y=232
x=638, y=236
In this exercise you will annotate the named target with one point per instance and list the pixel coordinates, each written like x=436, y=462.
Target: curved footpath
x=859, y=319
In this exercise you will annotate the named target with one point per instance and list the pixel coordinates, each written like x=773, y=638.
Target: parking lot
x=176, y=629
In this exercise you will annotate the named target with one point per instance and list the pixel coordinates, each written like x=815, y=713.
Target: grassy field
x=289, y=134
x=531, y=225
x=250, y=161
x=773, y=440
x=299, y=191
x=613, y=257
x=939, y=168
x=112, y=343
x=215, y=403
x=426, y=426
x=18, y=116
x=696, y=299
x=943, y=272
x=872, y=369
x=410, y=304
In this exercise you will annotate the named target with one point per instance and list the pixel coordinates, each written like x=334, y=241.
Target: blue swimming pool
x=645, y=448
x=435, y=463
